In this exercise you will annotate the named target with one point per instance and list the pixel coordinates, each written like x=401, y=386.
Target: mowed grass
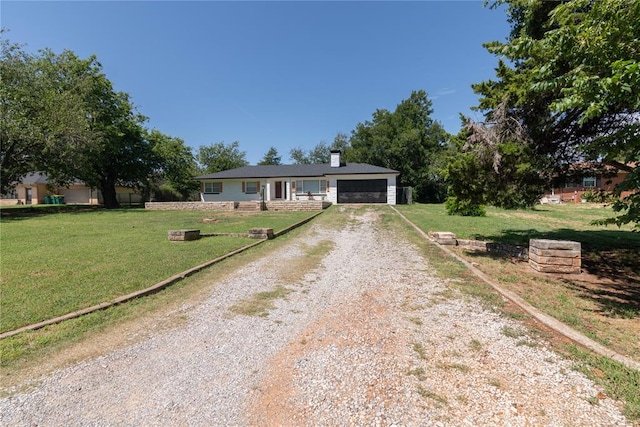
x=603, y=302
x=609, y=253
x=566, y=221
x=56, y=263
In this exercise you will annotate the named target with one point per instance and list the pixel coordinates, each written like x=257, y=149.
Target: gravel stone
x=370, y=337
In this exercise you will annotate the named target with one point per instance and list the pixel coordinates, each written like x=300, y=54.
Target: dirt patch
x=362, y=324
x=605, y=308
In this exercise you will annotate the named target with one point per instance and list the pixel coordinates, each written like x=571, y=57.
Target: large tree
x=61, y=115
x=40, y=120
x=571, y=78
x=407, y=140
x=220, y=156
x=117, y=152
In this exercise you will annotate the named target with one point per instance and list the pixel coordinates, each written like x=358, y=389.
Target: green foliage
x=271, y=157
x=299, y=156
x=463, y=207
x=117, y=152
x=321, y=152
x=175, y=167
x=220, y=156
x=42, y=118
x=62, y=116
x=406, y=140
x=573, y=84
x=166, y=193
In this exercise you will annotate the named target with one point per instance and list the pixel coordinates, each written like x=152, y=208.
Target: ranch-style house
x=335, y=182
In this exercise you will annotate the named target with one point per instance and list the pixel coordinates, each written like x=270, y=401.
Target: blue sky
x=282, y=74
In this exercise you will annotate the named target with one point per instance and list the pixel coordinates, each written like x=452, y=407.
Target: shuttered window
x=213, y=187
x=250, y=187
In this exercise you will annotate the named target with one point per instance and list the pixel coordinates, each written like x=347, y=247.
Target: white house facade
x=336, y=182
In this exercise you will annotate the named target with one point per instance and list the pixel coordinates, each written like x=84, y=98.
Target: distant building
x=34, y=189
x=594, y=177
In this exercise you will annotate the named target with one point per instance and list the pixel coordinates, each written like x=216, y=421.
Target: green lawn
x=607, y=251
x=563, y=222
x=516, y=225
x=55, y=263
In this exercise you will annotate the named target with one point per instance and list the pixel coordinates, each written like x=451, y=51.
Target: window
x=251, y=187
x=589, y=182
x=213, y=187
x=313, y=186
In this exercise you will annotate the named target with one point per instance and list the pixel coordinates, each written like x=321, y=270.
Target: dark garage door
x=362, y=191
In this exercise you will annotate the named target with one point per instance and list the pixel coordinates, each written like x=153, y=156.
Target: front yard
x=55, y=263
x=603, y=302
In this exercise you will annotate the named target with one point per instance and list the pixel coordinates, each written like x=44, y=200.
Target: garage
x=362, y=191
x=76, y=195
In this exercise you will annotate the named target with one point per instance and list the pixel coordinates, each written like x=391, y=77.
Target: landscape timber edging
x=152, y=289
x=545, y=319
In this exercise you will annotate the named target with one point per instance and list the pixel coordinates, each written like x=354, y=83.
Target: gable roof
x=282, y=171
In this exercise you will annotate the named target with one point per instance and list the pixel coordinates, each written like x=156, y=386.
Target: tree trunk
x=109, y=198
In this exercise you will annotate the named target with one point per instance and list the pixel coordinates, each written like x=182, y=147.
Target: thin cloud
x=443, y=92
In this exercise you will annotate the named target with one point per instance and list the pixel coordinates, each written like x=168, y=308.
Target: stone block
x=572, y=261
x=555, y=244
x=447, y=242
x=555, y=256
x=565, y=253
x=551, y=268
x=261, y=233
x=441, y=235
x=183, y=235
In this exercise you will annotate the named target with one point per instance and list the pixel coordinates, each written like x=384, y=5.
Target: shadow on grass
x=610, y=259
x=24, y=212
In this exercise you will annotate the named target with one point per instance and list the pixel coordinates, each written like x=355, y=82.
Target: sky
x=287, y=74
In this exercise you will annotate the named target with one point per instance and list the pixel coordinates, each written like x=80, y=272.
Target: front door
x=278, y=189
x=28, y=196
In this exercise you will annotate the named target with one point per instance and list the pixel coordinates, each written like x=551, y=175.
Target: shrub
x=456, y=206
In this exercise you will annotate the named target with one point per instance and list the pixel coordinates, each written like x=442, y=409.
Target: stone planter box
x=555, y=256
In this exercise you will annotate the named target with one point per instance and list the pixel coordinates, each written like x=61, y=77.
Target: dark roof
x=282, y=171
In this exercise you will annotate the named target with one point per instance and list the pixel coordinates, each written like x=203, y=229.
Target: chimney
x=335, y=158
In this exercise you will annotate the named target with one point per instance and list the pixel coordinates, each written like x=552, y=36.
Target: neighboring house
x=602, y=178
x=336, y=182
x=33, y=190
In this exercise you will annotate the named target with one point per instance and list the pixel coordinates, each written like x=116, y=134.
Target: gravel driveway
x=369, y=337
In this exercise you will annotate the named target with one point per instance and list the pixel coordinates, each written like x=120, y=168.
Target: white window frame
x=249, y=187
x=322, y=186
x=213, y=187
x=589, y=182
